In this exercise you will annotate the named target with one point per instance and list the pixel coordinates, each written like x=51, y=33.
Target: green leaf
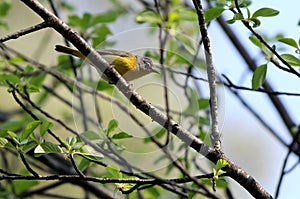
x=255, y=41
x=71, y=140
x=84, y=164
x=173, y=16
x=4, y=24
x=84, y=23
x=204, y=135
x=3, y=133
x=16, y=60
x=221, y=163
x=187, y=43
x=245, y=3
x=221, y=183
x=193, y=107
x=259, y=76
x=65, y=5
x=11, y=78
x=46, y=148
x=29, y=129
x=256, y=22
x=230, y=21
x=91, y=135
x=161, y=132
x=290, y=42
x=3, y=142
x=113, y=124
x=187, y=15
x=238, y=16
x=99, y=34
x=104, y=86
x=4, y=8
x=38, y=80
x=265, y=12
x=113, y=170
x=213, y=13
x=74, y=20
x=121, y=135
x=27, y=145
x=11, y=134
x=203, y=103
x=291, y=59
x=248, y=13
x=32, y=88
x=12, y=125
x=44, y=127
x=89, y=152
x=106, y=17
x=148, y=17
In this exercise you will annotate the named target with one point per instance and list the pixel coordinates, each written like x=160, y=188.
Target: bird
x=129, y=65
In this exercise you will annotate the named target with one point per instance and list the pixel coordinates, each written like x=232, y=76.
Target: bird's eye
x=147, y=64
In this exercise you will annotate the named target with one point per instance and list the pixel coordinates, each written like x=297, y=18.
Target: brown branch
x=211, y=74
x=23, y=32
x=229, y=84
x=28, y=167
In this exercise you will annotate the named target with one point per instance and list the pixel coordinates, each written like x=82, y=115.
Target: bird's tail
x=70, y=51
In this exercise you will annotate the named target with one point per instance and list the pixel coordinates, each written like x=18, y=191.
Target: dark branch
x=23, y=32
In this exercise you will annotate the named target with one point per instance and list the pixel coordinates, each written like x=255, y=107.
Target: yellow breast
x=122, y=64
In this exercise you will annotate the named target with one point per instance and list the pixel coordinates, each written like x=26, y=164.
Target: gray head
x=145, y=64
x=144, y=67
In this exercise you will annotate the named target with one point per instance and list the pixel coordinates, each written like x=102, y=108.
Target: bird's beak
x=154, y=71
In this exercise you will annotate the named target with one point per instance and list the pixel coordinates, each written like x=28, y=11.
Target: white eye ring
x=147, y=64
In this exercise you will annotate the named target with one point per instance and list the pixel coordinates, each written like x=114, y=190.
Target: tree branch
x=25, y=31
x=211, y=74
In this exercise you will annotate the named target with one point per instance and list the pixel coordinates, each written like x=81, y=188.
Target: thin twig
x=283, y=172
x=25, y=31
x=162, y=44
x=28, y=167
x=211, y=74
x=229, y=84
x=75, y=166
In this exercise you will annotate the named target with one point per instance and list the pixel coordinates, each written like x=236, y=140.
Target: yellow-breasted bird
x=129, y=65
